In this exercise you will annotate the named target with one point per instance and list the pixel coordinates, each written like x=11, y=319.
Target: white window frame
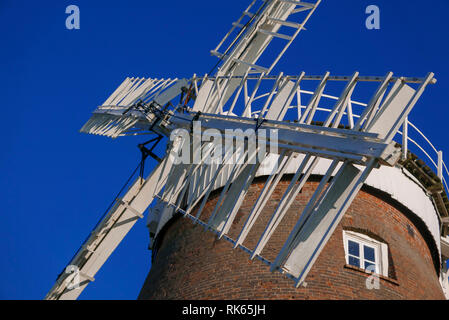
x=380, y=250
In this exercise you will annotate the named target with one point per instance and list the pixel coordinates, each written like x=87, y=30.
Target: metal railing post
x=405, y=139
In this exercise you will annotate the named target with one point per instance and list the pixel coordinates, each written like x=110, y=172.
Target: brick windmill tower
x=290, y=192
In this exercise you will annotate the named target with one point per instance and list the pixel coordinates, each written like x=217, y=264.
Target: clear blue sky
x=56, y=182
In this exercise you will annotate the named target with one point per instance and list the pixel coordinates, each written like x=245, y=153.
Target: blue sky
x=55, y=182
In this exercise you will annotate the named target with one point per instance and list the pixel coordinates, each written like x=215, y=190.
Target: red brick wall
x=193, y=264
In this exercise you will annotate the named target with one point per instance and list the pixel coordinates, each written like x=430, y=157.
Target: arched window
x=365, y=253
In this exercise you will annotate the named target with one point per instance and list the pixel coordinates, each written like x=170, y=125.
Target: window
x=366, y=253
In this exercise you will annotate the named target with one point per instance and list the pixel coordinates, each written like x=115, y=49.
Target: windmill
x=242, y=94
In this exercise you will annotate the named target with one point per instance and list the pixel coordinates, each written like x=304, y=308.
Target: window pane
x=370, y=266
x=368, y=253
x=353, y=248
x=354, y=261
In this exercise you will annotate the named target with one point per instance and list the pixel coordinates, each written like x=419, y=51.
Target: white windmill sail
x=310, y=126
x=114, y=117
x=266, y=21
x=109, y=232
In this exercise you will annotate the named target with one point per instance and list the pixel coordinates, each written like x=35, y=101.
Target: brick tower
x=391, y=224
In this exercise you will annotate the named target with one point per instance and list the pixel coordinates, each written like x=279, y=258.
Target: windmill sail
x=309, y=128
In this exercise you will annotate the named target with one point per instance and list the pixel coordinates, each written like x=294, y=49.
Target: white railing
x=438, y=162
x=409, y=136
x=404, y=137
